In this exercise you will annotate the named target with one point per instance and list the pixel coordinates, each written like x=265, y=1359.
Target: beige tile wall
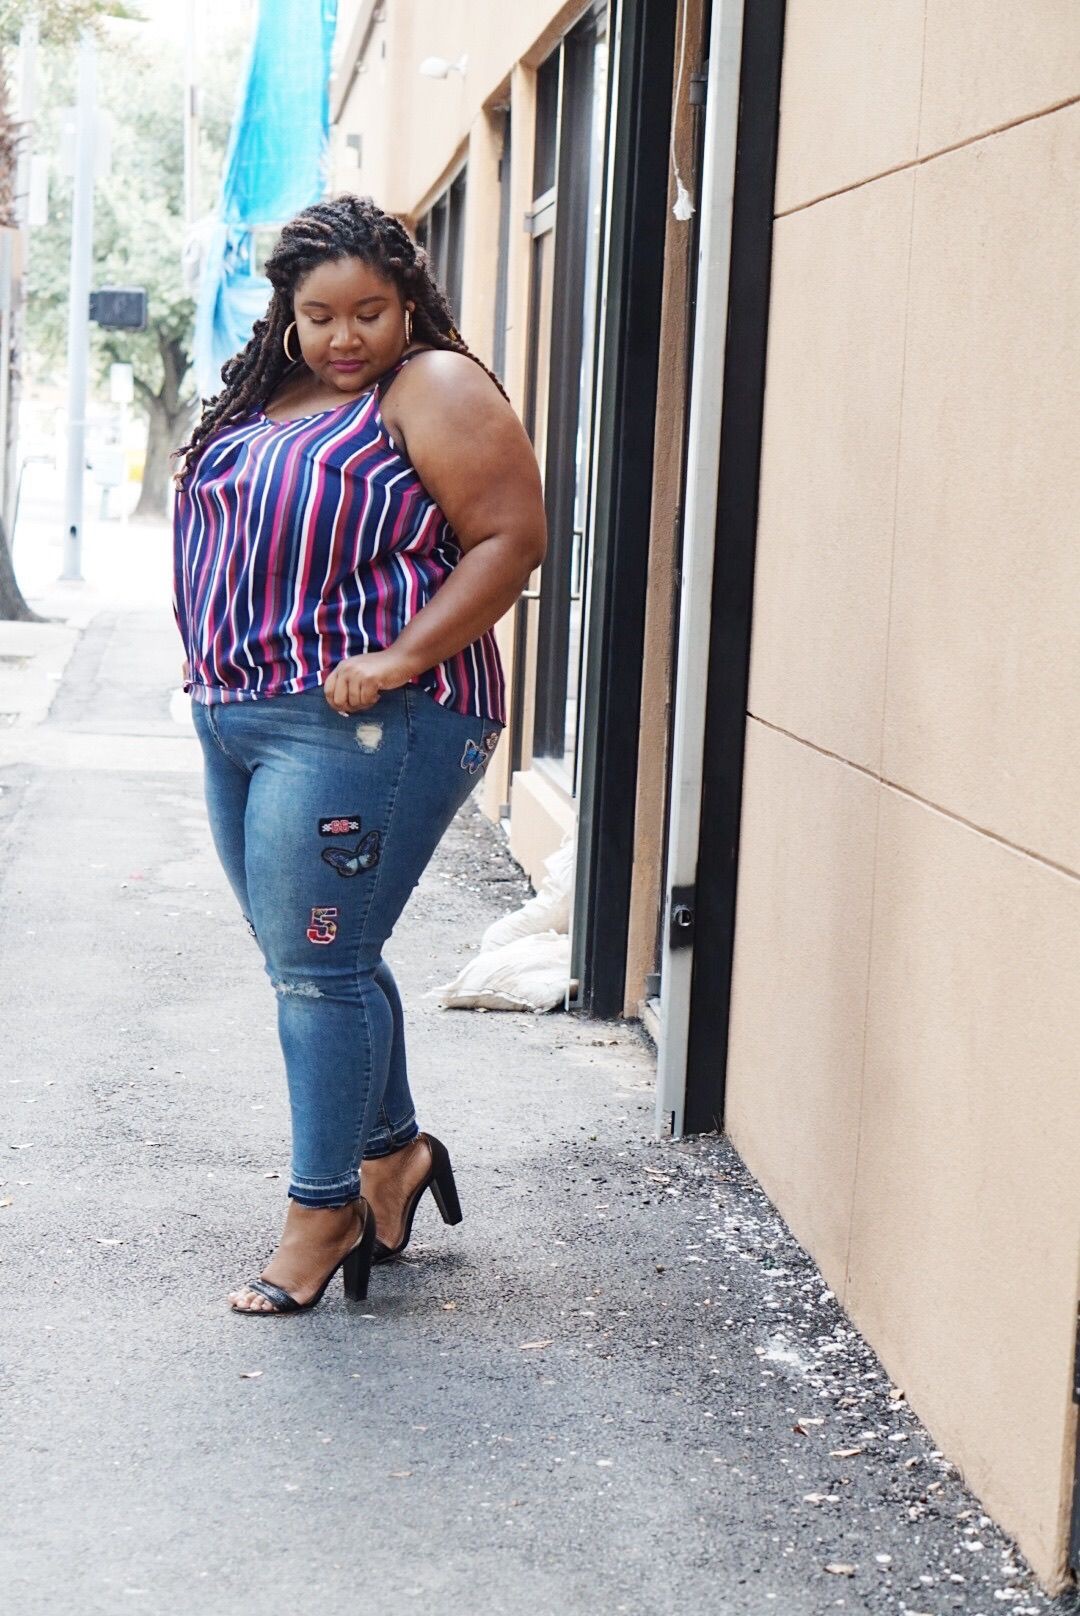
x=912, y=787
x=967, y=1200
x=989, y=62
x=799, y=991
x=849, y=98
x=869, y=88
x=982, y=713
x=829, y=463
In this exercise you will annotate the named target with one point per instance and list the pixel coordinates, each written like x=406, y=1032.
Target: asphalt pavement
x=619, y=1386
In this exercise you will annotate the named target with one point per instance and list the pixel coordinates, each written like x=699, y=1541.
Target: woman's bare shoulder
x=437, y=382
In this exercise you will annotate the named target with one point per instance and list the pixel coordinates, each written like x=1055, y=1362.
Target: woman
x=356, y=509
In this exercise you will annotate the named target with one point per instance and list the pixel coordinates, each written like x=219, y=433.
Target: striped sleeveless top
x=298, y=543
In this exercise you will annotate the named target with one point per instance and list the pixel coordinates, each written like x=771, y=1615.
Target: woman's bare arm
x=475, y=460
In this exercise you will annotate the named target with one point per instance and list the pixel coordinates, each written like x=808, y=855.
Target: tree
x=139, y=228
x=58, y=21
x=138, y=240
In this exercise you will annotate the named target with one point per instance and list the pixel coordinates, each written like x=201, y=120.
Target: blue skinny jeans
x=324, y=824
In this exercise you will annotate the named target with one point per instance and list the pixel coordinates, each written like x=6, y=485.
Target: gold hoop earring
x=285, y=342
x=408, y=327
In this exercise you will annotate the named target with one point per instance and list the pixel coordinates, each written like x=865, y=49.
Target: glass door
x=571, y=104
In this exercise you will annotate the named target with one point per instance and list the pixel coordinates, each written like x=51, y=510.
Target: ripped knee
x=296, y=989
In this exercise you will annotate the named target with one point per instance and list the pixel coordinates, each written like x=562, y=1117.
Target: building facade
x=787, y=299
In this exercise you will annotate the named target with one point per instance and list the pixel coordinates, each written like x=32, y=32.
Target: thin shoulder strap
x=390, y=376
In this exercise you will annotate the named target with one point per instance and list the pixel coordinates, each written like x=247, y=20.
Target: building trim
x=641, y=86
x=352, y=56
x=733, y=570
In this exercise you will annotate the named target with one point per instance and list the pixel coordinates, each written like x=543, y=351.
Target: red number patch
x=323, y=926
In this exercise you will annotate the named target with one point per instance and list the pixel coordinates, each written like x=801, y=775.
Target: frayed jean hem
x=385, y=1140
x=341, y=1192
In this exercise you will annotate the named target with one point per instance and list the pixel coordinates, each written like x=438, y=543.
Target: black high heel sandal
x=355, y=1267
x=439, y=1179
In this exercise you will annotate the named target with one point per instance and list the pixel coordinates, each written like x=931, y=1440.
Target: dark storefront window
x=442, y=232
x=564, y=224
x=502, y=272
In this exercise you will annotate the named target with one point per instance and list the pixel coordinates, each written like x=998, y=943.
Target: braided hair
x=340, y=227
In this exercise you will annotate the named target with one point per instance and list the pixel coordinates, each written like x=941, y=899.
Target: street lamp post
x=82, y=232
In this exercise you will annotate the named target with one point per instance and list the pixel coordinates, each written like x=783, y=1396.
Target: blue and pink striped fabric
x=298, y=543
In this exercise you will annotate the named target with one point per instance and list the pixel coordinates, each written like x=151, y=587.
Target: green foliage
x=138, y=226
x=138, y=209
x=59, y=21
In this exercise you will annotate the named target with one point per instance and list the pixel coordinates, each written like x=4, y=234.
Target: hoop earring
x=285, y=342
x=408, y=327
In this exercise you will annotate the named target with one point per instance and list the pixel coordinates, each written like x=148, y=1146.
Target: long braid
x=250, y=378
x=341, y=227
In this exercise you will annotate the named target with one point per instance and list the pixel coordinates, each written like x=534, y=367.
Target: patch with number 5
x=323, y=925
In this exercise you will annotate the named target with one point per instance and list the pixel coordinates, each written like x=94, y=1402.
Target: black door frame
x=1074, y=1523
x=733, y=573
x=641, y=79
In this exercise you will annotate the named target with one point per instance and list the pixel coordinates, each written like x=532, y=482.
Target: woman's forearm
x=483, y=586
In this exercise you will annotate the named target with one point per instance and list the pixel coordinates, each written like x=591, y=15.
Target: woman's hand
x=356, y=683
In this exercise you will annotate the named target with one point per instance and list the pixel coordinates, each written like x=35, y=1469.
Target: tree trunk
x=154, y=496
x=13, y=608
x=169, y=419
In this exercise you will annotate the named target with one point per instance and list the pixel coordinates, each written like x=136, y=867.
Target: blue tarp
x=275, y=165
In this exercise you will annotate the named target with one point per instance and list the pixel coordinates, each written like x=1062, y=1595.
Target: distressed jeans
x=324, y=824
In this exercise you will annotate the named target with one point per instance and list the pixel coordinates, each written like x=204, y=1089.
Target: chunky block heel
x=355, y=1268
x=443, y=1188
x=439, y=1179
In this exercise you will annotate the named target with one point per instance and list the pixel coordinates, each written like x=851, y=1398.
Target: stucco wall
x=906, y=1022
x=416, y=129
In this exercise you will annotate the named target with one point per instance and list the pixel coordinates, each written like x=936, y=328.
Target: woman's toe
x=246, y=1300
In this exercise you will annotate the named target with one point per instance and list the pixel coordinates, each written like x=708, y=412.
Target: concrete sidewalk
x=127, y=568
x=620, y=1386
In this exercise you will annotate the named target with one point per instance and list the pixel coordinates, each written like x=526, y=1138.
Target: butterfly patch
x=352, y=860
x=476, y=753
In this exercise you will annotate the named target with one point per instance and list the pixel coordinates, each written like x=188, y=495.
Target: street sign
x=119, y=308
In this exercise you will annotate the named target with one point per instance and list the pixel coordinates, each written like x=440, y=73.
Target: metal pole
x=28, y=42
x=124, y=490
x=82, y=233
x=191, y=118
x=7, y=298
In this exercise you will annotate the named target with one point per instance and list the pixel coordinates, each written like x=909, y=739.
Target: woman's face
x=350, y=322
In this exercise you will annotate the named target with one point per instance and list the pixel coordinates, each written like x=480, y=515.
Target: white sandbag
x=530, y=973
x=549, y=910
